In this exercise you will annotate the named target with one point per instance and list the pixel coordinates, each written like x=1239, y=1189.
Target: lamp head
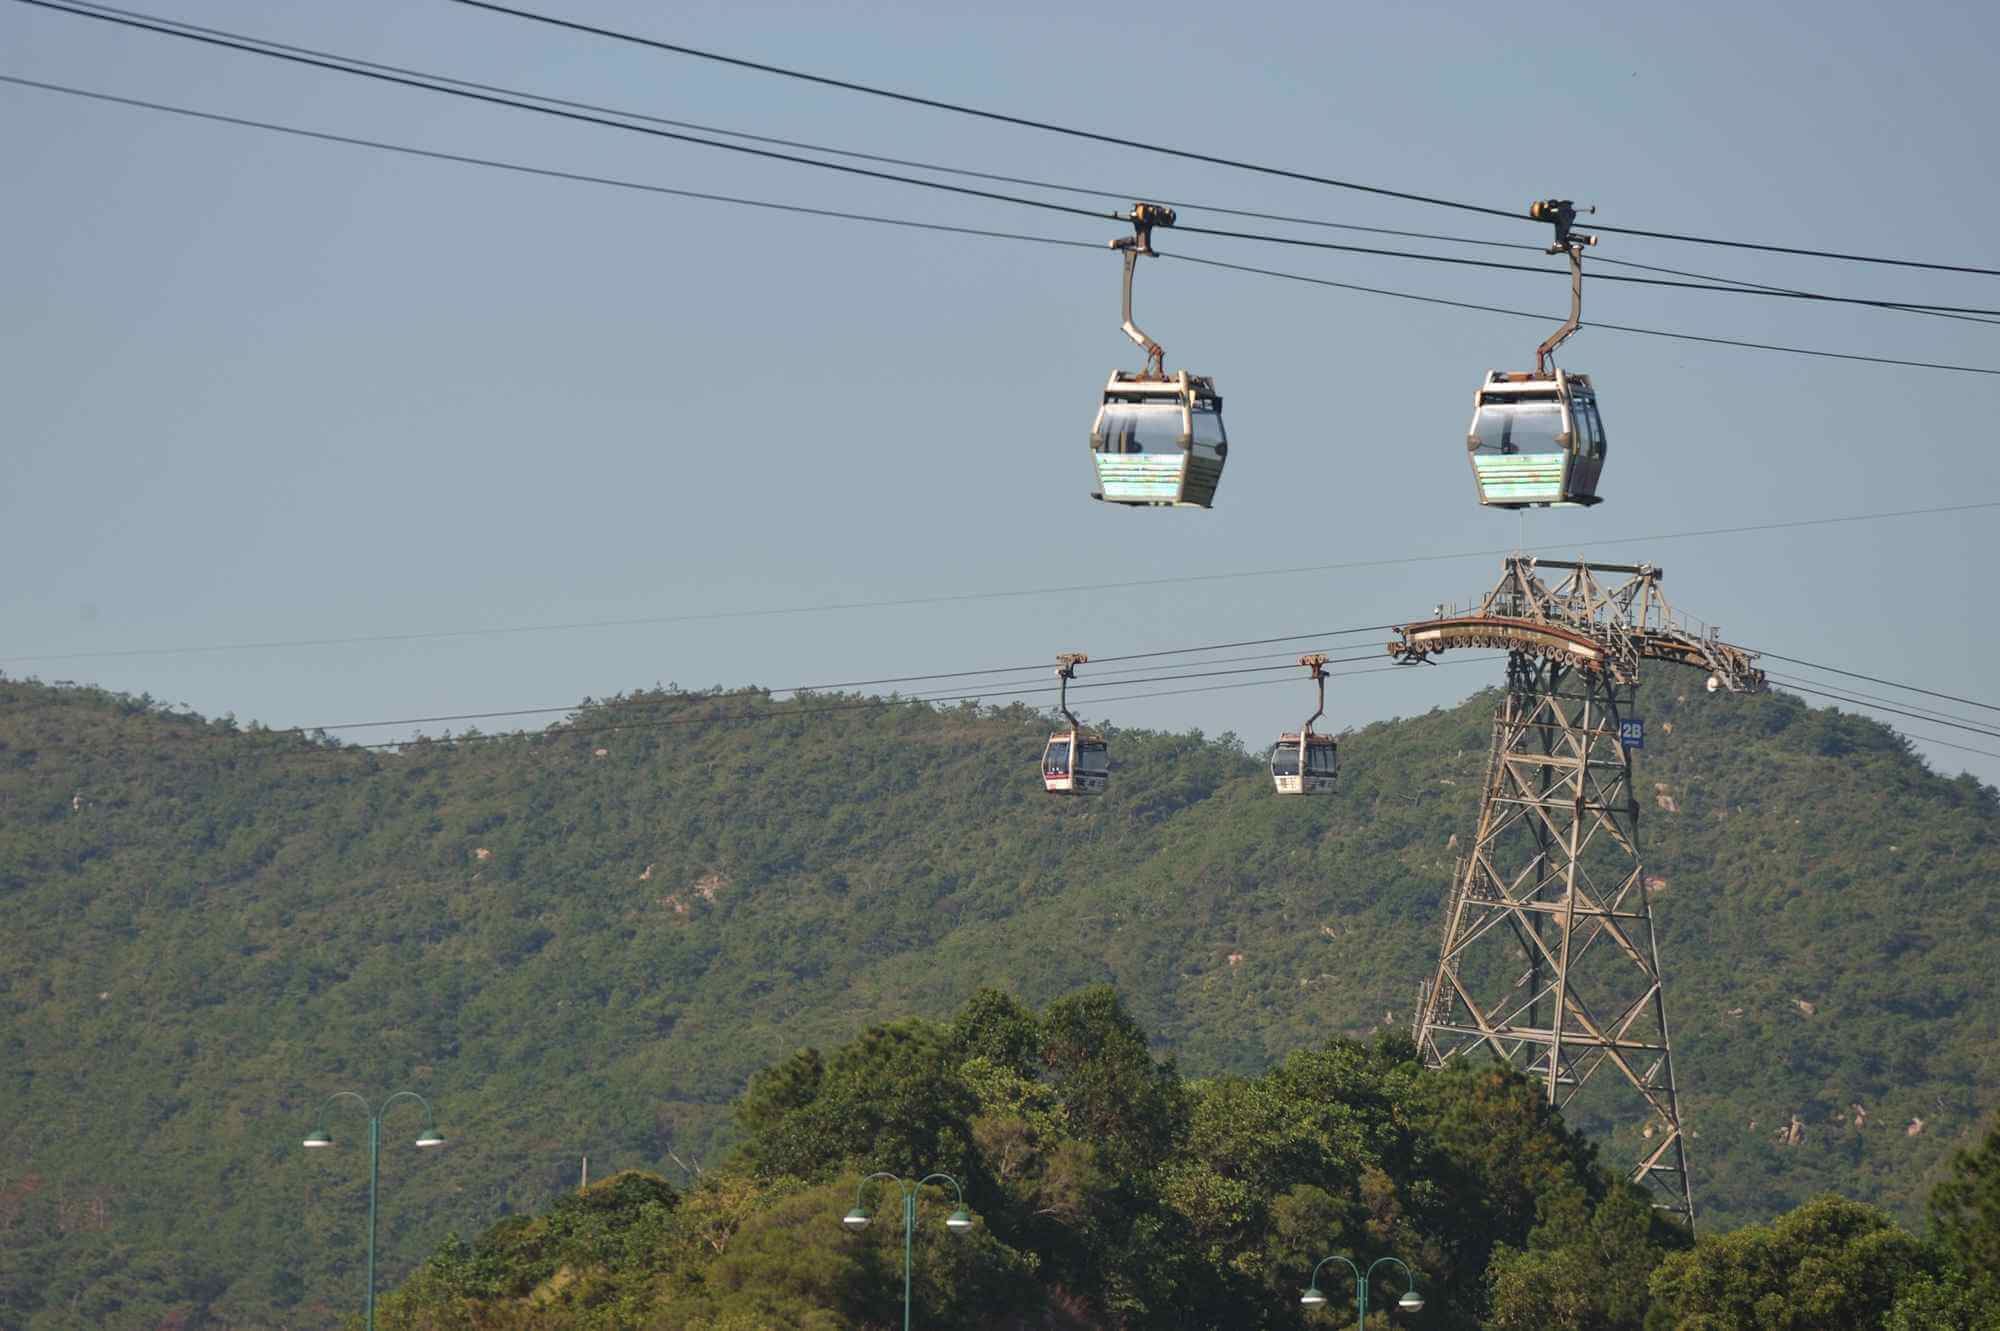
x=315, y=1140
x=856, y=1220
x=958, y=1222
x=430, y=1138
x=1411, y=1302
x=1312, y=1298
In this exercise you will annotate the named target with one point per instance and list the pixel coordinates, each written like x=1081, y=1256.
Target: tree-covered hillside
x=587, y=941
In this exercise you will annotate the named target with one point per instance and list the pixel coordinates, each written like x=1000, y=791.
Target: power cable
x=1185, y=154
x=957, y=230
x=430, y=83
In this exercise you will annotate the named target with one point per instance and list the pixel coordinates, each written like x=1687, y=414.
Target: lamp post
x=1410, y=1302
x=318, y=1139
x=958, y=1222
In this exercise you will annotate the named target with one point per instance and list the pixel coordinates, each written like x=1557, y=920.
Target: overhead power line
x=541, y=106
x=1185, y=154
x=948, y=228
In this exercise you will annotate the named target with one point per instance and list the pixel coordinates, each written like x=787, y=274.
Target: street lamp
x=319, y=1139
x=1411, y=1301
x=958, y=1222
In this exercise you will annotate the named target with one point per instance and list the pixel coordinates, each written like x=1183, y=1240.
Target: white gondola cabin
x=1076, y=761
x=1159, y=440
x=1303, y=763
x=1536, y=440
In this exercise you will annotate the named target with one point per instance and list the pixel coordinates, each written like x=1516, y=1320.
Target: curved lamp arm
x=1409, y=1277
x=957, y=1192
x=430, y=1119
x=860, y=1187
x=319, y=1118
x=1313, y=1281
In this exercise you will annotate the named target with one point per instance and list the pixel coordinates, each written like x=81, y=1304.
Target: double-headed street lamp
x=318, y=1138
x=958, y=1222
x=1410, y=1302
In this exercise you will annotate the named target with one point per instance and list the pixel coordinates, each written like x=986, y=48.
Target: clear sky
x=260, y=389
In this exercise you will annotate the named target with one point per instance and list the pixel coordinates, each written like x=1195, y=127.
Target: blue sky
x=260, y=389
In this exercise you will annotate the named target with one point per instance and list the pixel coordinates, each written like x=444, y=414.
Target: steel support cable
x=911, y=224
x=961, y=171
x=1878, y=707
x=777, y=712
x=955, y=597
x=1887, y=683
x=341, y=65
x=873, y=704
x=454, y=88
x=1782, y=293
x=885, y=159
x=1857, y=695
x=993, y=689
x=1185, y=154
x=1590, y=323
x=946, y=169
x=443, y=719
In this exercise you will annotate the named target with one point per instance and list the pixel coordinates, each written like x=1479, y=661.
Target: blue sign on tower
x=1632, y=733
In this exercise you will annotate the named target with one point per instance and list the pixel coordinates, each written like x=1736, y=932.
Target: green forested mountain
x=587, y=941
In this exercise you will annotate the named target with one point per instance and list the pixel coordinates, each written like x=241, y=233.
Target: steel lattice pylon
x=1549, y=960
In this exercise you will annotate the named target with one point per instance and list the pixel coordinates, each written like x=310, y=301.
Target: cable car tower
x=1549, y=960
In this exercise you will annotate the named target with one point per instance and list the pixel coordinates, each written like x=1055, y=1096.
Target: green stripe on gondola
x=1520, y=476
x=1150, y=476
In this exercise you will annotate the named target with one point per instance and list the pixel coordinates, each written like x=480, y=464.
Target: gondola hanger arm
x=1143, y=217
x=1066, y=664
x=1315, y=662
x=1561, y=214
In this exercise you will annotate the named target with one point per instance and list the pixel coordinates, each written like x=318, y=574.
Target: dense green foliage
x=590, y=940
x=1109, y=1192
x=1830, y=1263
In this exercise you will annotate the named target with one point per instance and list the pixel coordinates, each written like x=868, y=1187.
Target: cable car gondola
x=1076, y=761
x=1536, y=439
x=1305, y=763
x=1158, y=440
